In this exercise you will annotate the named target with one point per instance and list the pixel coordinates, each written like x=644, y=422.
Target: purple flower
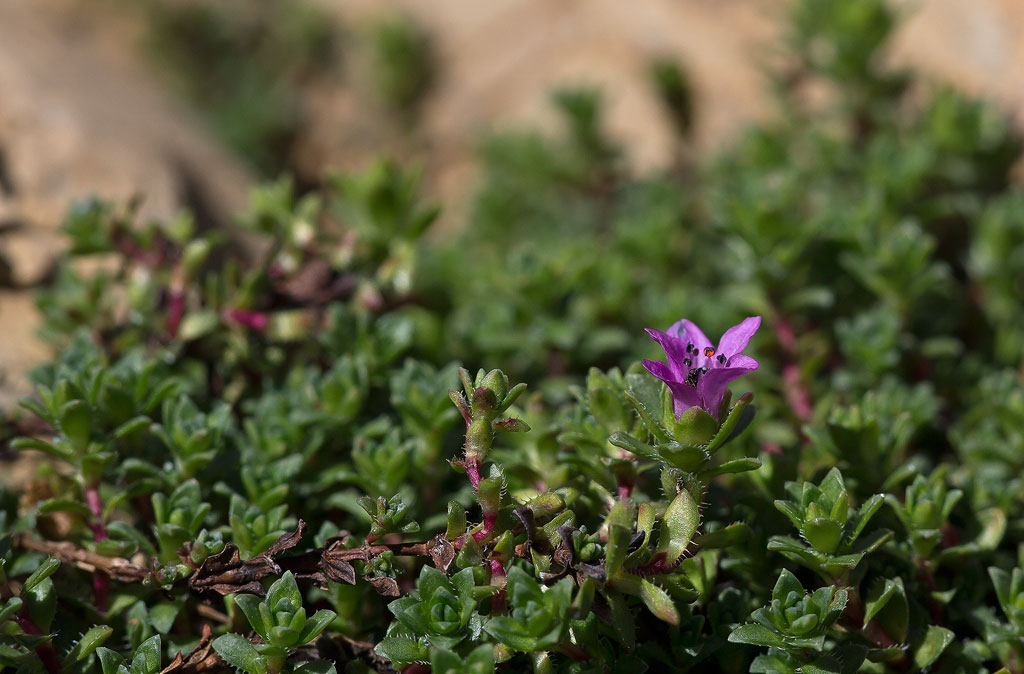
x=697, y=373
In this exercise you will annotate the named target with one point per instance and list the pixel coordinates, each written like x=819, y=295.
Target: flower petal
x=737, y=337
x=660, y=370
x=675, y=351
x=683, y=397
x=687, y=331
x=712, y=385
x=741, y=360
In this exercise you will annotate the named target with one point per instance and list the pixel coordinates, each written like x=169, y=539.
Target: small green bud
x=298, y=620
x=823, y=533
x=496, y=381
x=283, y=636
x=925, y=515
x=695, y=427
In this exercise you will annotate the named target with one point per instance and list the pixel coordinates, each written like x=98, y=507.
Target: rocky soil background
x=86, y=109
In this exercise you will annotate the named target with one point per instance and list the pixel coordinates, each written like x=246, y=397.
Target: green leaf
x=630, y=444
x=756, y=635
x=315, y=625
x=317, y=667
x=740, y=416
x=616, y=547
x=84, y=647
x=75, y=420
x=238, y=652
x=512, y=633
x=824, y=533
x=402, y=650
x=733, y=534
x=65, y=505
x=735, y=466
x=45, y=570
x=644, y=394
x=864, y=515
x=109, y=660
x=688, y=458
x=284, y=587
x=42, y=446
x=658, y=602
x=12, y=606
x=131, y=426
x=931, y=646
x=622, y=619
x=786, y=584
x=147, y=656
x=678, y=526
x=250, y=605
x=887, y=601
x=162, y=616
x=41, y=602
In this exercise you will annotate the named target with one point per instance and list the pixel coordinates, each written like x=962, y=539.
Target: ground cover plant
x=371, y=450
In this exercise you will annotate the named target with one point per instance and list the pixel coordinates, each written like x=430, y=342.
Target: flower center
x=693, y=376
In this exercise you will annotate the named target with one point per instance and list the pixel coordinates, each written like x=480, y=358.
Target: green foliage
x=402, y=64
x=242, y=65
x=243, y=456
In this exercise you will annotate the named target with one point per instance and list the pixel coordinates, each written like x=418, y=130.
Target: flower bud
x=283, y=636
x=496, y=381
x=695, y=427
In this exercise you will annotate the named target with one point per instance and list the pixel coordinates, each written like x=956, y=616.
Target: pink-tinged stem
x=473, y=471
x=625, y=491
x=797, y=396
x=45, y=650
x=100, y=581
x=497, y=580
x=256, y=320
x=175, y=311
x=490, y=521
x=417, y=668
x=658, y=565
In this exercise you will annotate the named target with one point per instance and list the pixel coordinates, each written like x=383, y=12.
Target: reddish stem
x=175, y=311
x=100, y=581
x=497, y=580
x=473, y=471
x=797, y=396
x=255, y=320
x=490, y=520
x=625, y=491
x=45, y=650
x=657, y=565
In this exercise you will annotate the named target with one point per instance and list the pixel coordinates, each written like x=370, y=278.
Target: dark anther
x=687, y=362
x=689, y=347
x=721, y=358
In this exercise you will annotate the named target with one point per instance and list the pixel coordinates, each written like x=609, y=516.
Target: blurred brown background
x=190, y=102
